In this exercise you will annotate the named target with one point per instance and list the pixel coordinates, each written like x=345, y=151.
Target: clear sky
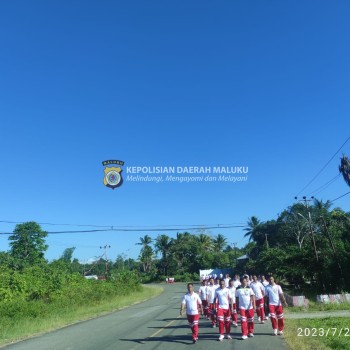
x=168, y=83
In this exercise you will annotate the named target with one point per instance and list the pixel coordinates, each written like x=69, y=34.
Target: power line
x=314, y=178
x=154, y=229
x=340, y=197
x=117, y=226
x=323, y=187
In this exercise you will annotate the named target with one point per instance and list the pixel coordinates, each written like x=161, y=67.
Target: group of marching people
x=221, y=300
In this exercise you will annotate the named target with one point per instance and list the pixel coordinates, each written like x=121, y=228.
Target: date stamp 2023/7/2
x=323, y=332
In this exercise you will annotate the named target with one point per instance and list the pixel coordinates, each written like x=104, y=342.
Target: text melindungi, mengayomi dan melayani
x=187, y=170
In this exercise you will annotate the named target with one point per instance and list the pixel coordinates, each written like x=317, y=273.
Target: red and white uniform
x=259, y=291
x=244, y=296
x=203, y=295
x=224, y=313
x=273, y=292
x=232, y=292
x=210, y=297
x=192, y=301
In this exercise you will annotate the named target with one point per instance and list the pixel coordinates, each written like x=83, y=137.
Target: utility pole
x=306, y=203
x=105, y=247
x=235, y=252
x=267, y=242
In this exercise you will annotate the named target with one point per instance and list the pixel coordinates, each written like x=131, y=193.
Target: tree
x=28, y=244
x=67, y=255
x=162, y=244
x=253, y=224
x=344, y=169
x=219, y=242
x=146, y=253
x=145, y=241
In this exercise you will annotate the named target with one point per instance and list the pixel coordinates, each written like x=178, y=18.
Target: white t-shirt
x=211, y=293
x=258, y=289
x=273, y=293
x=203, y=292
x=191, y=301
x=223, y=298
x=227, y=280
x=232, y=291
x=236, y=283
x=244, y=297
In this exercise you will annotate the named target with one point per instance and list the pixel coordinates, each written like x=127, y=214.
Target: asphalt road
x=154, y=324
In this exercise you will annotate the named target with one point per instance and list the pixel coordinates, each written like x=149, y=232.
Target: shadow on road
x=169, y=339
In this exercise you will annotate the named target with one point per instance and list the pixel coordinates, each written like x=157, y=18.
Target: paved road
x=151, y=325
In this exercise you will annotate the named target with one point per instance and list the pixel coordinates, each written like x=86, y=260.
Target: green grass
x=306, y=334
x=13, y=329
x=319, y=307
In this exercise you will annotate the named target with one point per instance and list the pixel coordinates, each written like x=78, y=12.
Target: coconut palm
x=162, y=244
x=344, y=169
x=253, y=224
x=219, y=242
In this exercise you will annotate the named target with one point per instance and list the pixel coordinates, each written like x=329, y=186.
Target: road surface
x=154, y=324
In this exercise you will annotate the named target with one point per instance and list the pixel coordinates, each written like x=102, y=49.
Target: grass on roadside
x=319, y=307
x=13, y=330
x=310, y=334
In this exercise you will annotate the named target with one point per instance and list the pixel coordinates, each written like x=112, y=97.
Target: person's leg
x=272, y=310
x=260, y=305
x=234, y=316
x=244, y=326
x=195, y=327
x=227, y=320
x=212, y=314
x=220, y=317
x=250, y=319
x=280, y=318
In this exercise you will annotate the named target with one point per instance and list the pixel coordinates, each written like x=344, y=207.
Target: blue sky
x=257, y=84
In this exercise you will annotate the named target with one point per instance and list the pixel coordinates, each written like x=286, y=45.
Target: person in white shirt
x=225, y=306
x=275, y=299
x=227, y=280
x=245, y=301
x=203, y=295
x=191, y=300
x=211, y=288
x=265, y=283
x=234, y=314
x=259, y=291
x=236, y=281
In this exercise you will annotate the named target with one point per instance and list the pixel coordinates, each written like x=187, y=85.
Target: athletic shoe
x=221, y=338
x=234, y=324
x=265, y=318
x=251, y=335
x=228, y=336
x=262, y=321
x=259, y=319
x=280, y=333
x=213, y=325
x=244, y=337
x=275, y=332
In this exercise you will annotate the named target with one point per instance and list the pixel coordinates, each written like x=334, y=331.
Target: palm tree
x=253, y=224
x=344, y=168
x=219, y=242
x=205, y=243
x=145, y=241
x=162, y=244
x=146, y=252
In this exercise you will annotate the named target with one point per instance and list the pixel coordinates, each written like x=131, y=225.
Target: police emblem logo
x=112, y=175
